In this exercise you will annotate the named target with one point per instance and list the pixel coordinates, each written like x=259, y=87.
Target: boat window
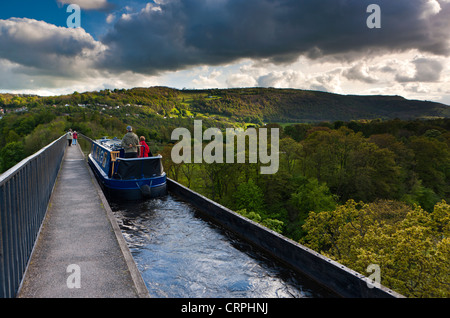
x=137, y=169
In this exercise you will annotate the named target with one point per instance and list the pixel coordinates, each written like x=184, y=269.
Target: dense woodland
x=367, y=191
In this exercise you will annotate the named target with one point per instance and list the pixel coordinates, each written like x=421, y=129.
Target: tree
x=188, y=170
x=43, y=135
x=290, y=153
x=172, y=169
x=404, y=159
x=423, y=196
x=410, y=245
x=350, y=165
x=432, y=158
x=371, y=173
x=25, y=125
x=297, y=131
x=249, y=196
x=309, y=195
x=10, y=155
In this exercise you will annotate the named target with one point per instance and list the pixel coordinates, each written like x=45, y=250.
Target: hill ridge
x=253, y=104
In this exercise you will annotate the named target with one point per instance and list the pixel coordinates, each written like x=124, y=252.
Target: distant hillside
x=290, y=105
x=246, y=104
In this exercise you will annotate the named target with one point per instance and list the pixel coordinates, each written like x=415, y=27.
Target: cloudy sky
x=321, y=45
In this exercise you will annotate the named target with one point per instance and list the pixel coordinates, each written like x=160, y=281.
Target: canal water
x=182, y=255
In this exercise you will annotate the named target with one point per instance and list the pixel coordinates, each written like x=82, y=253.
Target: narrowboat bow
x=126, y=178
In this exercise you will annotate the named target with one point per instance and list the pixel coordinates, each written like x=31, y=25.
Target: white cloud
x=209, y=80
x=241, y=80
x=151, y=7
x=110, y=18
x=430, y=8
x=88, y=4
x=280, y=79
x=37, y=45
x=426, y=70
x=329, y=82
x=360, y=72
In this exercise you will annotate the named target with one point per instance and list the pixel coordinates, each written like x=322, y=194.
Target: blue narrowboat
x=126, y=178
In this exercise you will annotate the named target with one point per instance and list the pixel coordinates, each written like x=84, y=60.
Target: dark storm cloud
x=181, y=33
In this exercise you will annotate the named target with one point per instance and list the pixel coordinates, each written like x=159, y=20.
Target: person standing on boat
x=129, y=143
x=69, y=137
x=145, y=149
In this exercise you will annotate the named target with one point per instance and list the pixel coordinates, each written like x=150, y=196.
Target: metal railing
x=85, y=143
x=25, y=191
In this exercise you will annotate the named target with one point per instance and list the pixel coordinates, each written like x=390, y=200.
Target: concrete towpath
x=80, y=252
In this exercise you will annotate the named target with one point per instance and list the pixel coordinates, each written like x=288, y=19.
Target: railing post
x=3, y=249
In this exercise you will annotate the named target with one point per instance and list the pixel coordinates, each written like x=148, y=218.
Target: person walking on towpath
x=75, y=137
x=129, y=143
x=69, y=137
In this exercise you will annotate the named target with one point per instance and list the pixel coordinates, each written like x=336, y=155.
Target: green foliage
x=350, y=165
x=422, y=196
x=250, y=105
x=272, y=224
x=11, y=154
x=289, y=105
x=312, y=196
x=250, y=215
x=432, y=159
x=309, y=196
x=409, y=244
x=398, y=170
x=249, y=196
x=43, y=135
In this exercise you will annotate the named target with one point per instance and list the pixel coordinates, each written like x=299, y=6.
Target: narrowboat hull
x=126, y=178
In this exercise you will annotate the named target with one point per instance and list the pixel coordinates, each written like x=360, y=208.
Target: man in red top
x=145, y=150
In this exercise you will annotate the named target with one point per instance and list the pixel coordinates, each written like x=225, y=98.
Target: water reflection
x=179, y=254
